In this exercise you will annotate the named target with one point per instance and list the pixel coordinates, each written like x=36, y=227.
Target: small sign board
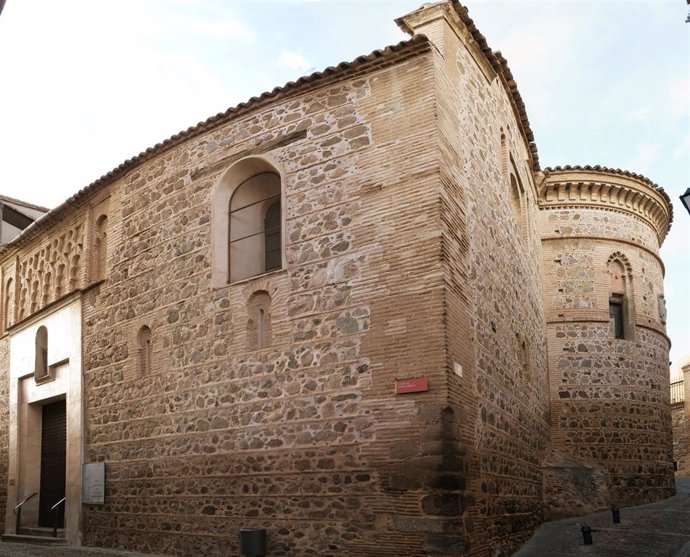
x=416, y=385
x=93, y=483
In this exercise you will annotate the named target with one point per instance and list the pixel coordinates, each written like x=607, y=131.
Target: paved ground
x=657, y=530
x=28, y=550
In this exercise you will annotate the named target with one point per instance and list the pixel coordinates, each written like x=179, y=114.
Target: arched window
x=523, y=353
x=259, y=330
x=41, y=357
x=100, y=248
x=60, y=280
x=255, y=227
x=144, y=350
x=504, y=155
x=522, y=350
x=47, y=287
x=247, y=215
x=515, y=203
x=74, y=272
x=35, y=287
x=620, y=304
x=518, y=200
x=9, y=303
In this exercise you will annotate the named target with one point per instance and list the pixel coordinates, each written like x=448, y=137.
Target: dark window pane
x=254, y=238
x=616, y=313
x=272, y=237
x=255, y=189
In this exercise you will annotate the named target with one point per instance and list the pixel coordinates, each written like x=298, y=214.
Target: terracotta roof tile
x=500, y=66
x=390, y=53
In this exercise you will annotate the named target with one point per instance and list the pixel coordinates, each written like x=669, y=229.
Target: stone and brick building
x=680, y=416
x=353, y=311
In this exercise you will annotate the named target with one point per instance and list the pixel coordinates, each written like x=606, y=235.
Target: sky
x=85, y=85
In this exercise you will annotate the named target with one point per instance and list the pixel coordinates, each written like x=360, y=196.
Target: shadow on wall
x=573, y=487
x=680, y=417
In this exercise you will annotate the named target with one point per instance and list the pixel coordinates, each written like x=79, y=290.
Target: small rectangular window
x=616, y=314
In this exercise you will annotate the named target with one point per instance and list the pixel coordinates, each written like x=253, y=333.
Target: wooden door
x=53, y=449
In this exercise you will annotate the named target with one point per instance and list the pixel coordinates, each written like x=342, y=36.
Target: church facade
x=354, y=311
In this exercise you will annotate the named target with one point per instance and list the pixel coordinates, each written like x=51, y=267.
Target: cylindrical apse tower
x=608, y=350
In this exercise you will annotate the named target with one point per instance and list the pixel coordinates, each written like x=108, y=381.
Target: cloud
x=293, y=61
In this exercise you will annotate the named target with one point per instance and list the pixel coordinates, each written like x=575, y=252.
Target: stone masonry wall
x=496, y=298
x=681, y=439
x=497, y=429
x=4, y=424
x=306, y=437
x=609, y=397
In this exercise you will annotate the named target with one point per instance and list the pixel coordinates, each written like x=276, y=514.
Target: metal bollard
x=616, y=512
x=586, y=535
x=253, y=542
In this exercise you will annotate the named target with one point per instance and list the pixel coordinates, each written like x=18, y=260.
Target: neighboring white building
x=16, y=215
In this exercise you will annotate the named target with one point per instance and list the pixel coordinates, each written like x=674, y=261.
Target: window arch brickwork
x=621, y=307
x=144, y=350
x=518, y=200
x=100, y=248
x=247, y=221
x=523, y=356
x=41, y=355
x=259, y=326
x=8, y=306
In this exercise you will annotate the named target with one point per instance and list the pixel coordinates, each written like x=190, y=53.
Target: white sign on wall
x=93, y=483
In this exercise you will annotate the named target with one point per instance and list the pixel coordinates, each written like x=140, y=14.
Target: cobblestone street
x=659, y=529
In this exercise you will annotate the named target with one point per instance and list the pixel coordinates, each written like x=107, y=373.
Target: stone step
x=40, y=531
x=40, y=540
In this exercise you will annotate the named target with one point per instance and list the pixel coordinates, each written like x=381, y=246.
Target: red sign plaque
x=416, y=385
